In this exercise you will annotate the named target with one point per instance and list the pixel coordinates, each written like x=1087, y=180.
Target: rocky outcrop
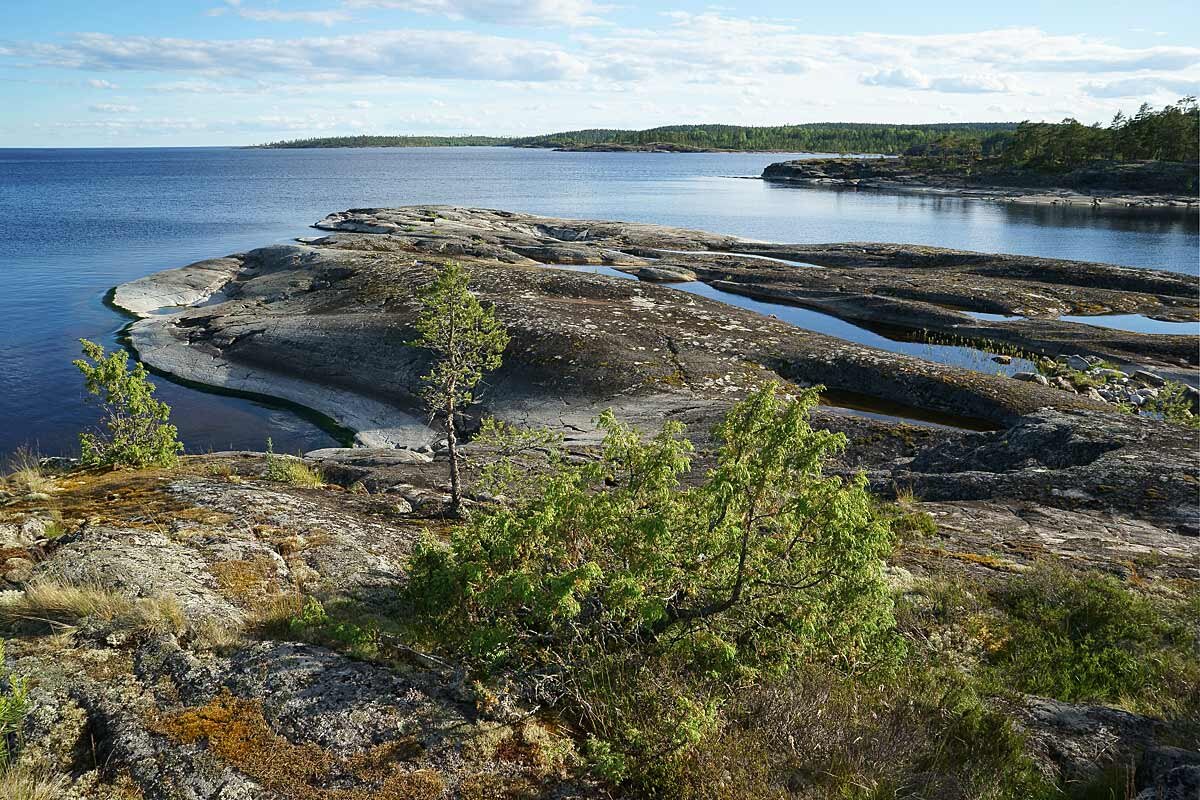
x=292, y=319
x=1129, y=185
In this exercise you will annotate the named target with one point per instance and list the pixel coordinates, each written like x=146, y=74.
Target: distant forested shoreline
x=387, y=141
x=1166, y=134
x=882, y=139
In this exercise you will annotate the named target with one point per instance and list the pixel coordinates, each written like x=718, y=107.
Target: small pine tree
x=469, y=342
x=134, y=431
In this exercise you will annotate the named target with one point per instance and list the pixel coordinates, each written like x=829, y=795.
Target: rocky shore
x=1143, y=185
x=286, y=320
x=184, y=658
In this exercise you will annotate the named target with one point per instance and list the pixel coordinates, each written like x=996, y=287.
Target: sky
x=134, y=73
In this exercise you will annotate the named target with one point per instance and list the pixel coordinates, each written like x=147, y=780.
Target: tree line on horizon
x=854, y=137
x=1167, y=134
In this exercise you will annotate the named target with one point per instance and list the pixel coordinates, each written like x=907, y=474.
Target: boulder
x=665, y=274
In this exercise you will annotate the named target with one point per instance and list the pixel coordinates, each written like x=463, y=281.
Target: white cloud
x=98, y=83
x=969, y=84
x=325, y=17
x=360, y=104
x=501, y=12
x=1144, y=87
x=112, y=108
x=401, y=53
x=900, y=78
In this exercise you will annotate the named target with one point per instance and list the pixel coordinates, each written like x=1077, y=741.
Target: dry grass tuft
x=65, y=604
x=21, y=783
x=26, y=475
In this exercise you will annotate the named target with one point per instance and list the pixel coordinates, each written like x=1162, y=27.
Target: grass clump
x=292, y=471
x=65, y=604
x=21, y=783
x=26, y=475
x=287, y=469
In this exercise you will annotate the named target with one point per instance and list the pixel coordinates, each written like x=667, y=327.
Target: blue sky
x=220, y=72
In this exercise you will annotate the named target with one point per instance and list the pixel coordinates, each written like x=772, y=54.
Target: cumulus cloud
x=500, y=12
x=401, y=53
x=900, y=78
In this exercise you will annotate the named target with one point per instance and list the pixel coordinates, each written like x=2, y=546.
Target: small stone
x=1078, y=363
x=1146, y=376
x=1002, y=359
x=18, y=570
x=1032, y=377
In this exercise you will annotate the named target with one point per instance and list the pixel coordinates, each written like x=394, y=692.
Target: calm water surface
x=73, y=223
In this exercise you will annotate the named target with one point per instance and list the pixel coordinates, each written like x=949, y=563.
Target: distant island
x=1148, y=159
x=818, y=137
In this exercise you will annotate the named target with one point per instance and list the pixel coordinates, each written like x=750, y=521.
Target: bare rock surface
x=326, y=324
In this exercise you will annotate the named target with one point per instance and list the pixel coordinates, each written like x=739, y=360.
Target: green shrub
x=637, y=603
x=764, y=561
x=1173, y=404
x=314, y=624
x=134, y=429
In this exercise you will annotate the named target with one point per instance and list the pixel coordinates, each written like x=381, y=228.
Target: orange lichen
x=247, y=582
x=236, y=732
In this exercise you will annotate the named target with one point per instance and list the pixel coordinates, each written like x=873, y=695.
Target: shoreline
x=1001, y=194
x=1136, y=185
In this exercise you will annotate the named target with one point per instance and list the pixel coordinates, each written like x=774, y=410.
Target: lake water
x=74, y=223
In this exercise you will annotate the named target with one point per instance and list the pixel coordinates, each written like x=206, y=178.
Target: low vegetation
x=14, y=706
x=134, y=430
x=291, y=470
x=26, y=475
x=1173, y=404
x=22, y=783
x=638, y=606
x=57, y=604
x=1086, y=637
